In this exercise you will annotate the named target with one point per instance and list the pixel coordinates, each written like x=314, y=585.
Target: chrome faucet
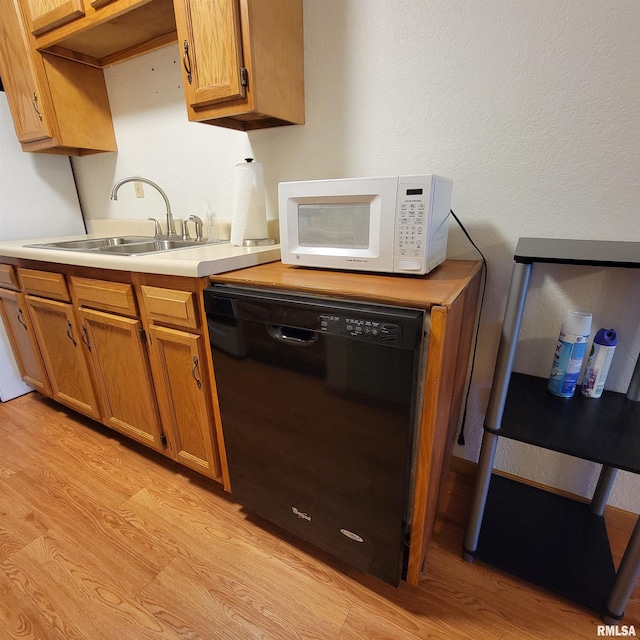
x=171, y=227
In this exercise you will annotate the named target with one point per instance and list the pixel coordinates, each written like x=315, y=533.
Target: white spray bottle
x=604, y=344
x=570, y=351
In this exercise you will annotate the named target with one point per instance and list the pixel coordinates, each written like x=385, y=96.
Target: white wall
x=529, y=106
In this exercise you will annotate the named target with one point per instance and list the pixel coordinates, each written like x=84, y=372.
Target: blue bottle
x=570, y=351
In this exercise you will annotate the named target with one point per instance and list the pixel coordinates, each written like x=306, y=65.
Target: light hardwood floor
x=103, y=539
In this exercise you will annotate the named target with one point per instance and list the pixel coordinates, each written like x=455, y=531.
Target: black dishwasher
x=318, y=401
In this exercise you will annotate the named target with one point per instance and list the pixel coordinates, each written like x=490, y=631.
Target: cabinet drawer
x=44, y=284
x=170, y=306
x=8, y=277
x=103, y=295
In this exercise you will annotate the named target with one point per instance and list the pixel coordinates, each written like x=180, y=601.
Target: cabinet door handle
x=84, y=337
x=35, y=105
x=186, y=61
x=70, y=333
x=20, y=320
x=193, y=372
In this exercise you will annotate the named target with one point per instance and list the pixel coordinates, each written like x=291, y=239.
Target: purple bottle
x=604, y=345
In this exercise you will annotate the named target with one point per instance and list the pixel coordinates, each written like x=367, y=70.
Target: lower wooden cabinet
x=172, y=308
x=123, y=377
x=183, y=389
x=129, y=350
x=60, y=343
x=22, y=339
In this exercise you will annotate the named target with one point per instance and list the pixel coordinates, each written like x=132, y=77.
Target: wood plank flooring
x=103, y=539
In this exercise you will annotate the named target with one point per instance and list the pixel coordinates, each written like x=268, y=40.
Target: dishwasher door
x=318, y=403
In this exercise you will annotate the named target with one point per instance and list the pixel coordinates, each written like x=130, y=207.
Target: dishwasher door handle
x=292, y=335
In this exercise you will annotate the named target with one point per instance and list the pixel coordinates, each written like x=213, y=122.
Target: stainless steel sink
x=94, y=243
x=154, y=246
x=126, y=245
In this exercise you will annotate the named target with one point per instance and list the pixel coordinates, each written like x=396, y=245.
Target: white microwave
x=396, y=224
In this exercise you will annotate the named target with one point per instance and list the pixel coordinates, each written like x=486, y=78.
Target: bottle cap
x=577, y=323
x=606, y=337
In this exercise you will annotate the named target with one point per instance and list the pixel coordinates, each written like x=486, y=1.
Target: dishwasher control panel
x=365, y=328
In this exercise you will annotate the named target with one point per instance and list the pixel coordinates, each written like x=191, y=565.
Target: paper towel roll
x=249, y=217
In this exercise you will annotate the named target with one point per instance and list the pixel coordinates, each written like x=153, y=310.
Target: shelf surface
x=549, y=540
x=605, y=430
x=603, y=253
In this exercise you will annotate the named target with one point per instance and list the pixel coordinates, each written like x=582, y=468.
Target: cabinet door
x=45, y=15
x=123, y=375
x=19, y=76
x=57, y=105
x=20, y=332
x=210, y=43
x=184, y=398
x=61, y=347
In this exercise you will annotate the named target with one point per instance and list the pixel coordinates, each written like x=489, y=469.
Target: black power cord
x=475, y=346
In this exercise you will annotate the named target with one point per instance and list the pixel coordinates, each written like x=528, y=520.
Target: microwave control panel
x=411, y=226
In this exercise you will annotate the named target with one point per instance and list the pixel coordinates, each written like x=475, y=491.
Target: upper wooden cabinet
x=211, y=58
x=243, y=61
x=57, y=105
x=47, y=14
x=106, y=31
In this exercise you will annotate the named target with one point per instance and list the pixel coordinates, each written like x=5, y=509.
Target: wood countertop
x=441, y=287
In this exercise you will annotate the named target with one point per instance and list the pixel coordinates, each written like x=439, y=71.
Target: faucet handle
x=199, y=225
x=185, y=229
x=158, y=229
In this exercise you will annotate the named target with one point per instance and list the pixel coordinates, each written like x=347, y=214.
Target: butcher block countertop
x=441, y=287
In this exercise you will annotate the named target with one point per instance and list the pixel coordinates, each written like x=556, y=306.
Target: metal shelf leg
x=520, y=277
x=603, y=489
x=626, y=579
x=485, y=466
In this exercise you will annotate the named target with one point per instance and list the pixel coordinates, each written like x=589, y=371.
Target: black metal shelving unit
x=550, y=540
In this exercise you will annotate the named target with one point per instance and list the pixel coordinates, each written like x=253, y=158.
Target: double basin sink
x=126, y=245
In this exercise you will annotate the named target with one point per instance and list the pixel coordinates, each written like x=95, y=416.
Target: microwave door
x=334, y=226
